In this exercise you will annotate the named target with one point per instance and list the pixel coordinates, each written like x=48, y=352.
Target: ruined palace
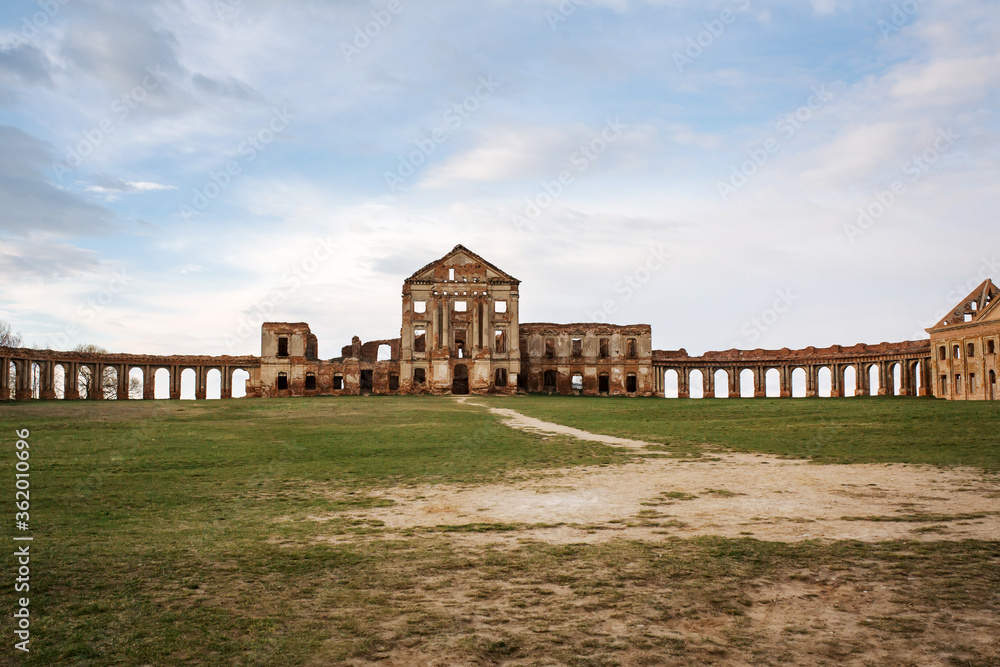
x=461, y=333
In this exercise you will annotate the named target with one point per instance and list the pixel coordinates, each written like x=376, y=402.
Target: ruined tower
x=460, y=327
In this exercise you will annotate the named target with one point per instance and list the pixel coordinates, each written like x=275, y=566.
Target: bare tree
x=7, y=336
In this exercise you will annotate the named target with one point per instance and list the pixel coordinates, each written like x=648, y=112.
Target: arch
x=916, y=377
x=721, y=383
x=549, y=379
x=384, y=352
x=460, y=379
x=109, y=383
x=240, y=380
x=897, y=379
x=189, y=380
x=161, y=383
x=670, y=383
x=747, y=386
x=874, y=380
x=772, y=383
x=213, y=384
x=576, y=382
x=35, y=379
x=59, y=381
x=798, y=382
x=824, y=382
x=991, y=389
x=696, y=384
x=850, y=380
x=136, y=382
x=85, y=381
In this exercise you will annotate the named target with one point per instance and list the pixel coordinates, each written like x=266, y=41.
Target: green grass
x=853, y=430
x=179, y=533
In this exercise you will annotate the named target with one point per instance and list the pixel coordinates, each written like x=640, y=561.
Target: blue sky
x=748, y=174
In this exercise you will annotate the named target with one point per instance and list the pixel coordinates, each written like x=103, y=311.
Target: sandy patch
x=730, y=495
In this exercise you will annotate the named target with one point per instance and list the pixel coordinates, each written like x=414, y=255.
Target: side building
x=964, y=348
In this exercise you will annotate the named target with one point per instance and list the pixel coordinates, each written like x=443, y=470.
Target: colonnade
x=914, y=372
x=27, y=373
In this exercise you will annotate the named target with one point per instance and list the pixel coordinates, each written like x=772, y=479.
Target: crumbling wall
x=589, y=359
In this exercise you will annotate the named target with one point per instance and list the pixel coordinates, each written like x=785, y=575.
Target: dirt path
x=516, y=420
x=729, y=494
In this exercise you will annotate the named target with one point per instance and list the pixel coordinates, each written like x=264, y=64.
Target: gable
x=465, y=263
x=991, y=313
x=979, y=305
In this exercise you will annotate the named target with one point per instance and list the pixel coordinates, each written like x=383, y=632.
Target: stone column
x=707, y=383
x=734, y=383
x=72, y=381
x=812, y=381
x=148, y=383
x=201, y=383
x=885, y=380
x=926, y=378
x=785, y=382
x=96, y=390
x=863, y=386
x=4, y=379
x=47, y=380
x=123, y=381
x=175, y=383
x=907, y=379
x=227, y=382
x=22, y=385
x=683, y=383
x=759, y=382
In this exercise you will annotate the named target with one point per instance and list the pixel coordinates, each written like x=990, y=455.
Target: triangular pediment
x=464, y=262
x=979, y=306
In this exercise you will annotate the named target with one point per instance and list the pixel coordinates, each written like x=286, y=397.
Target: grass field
x=854, y=430
x=181, y=533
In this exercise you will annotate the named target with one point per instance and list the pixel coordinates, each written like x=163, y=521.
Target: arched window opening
x=799, y=383
x=772, y=383
x=240, y=380
x=213, y=384
x=721, y=384
x=136, y=381
x=189, y=382
x=696, y=384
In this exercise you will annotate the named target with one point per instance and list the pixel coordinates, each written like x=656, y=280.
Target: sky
x=736, y=174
